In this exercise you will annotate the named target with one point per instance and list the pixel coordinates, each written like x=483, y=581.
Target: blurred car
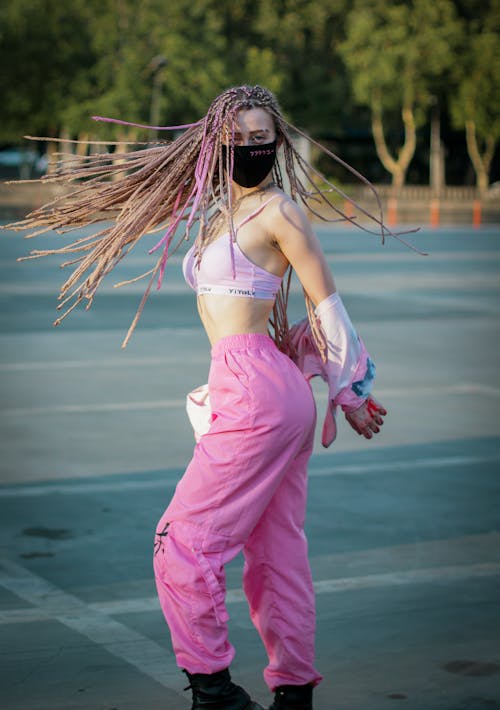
x=21, y=163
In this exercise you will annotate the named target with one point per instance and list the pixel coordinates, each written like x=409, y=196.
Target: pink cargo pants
x=244, y=489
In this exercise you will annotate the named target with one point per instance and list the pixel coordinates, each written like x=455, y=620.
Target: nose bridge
x=245, y=135
x=246, y=129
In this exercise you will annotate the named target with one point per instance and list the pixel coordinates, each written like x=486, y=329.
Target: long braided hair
x=161, y=186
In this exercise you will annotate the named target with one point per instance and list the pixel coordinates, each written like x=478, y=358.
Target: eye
x=236, y=139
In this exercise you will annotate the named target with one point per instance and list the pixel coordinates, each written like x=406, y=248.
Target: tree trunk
x=436, y=158
x=51, y=151
x=408, y=150
x=480, y=162
x=83, y=144
x=128, y=136
x=398, y=167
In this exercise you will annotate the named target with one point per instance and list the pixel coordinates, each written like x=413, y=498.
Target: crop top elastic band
x=214, y=273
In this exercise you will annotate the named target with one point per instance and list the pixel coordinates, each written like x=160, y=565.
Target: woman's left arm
x=296, y=240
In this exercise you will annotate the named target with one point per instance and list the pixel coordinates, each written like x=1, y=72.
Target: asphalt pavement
x=404, y=530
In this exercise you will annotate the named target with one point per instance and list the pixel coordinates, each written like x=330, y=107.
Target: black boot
x=218, y=692
x=293, y=697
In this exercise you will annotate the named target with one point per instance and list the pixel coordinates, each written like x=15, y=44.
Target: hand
x=368, y=418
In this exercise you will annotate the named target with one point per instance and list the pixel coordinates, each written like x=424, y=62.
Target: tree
x=164, y=61
x=69, y=61
x=398, y=53
x=304, y=35
x=127, y=78
x=475, y=104
x=47, y=48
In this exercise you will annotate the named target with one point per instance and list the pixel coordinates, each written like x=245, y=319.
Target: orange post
x=392, y=211
x=348, y=211
x=476, y=213
x=434, y=216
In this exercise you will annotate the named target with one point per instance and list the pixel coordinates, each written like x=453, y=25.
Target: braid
x=162, y=185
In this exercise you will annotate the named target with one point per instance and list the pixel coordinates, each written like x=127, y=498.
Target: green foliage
x=304, y=36
x=260, y=68
x=400, y=52
x=100, y=57
x=152, y=51
x=476, y=95
x=45, y=46
x=167, y=59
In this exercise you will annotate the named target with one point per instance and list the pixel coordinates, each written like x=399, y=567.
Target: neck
x=239, y=193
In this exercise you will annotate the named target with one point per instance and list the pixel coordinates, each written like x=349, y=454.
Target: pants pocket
x=215, y=588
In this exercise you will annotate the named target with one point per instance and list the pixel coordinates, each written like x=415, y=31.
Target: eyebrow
x=259, y=130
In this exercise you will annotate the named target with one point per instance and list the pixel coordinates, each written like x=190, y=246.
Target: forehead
x=253, y=119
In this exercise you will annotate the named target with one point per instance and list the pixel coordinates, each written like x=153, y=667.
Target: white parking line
x=116, y=638
x=113, y=363
x=95, y=408
x=403, y=465
x=58, y=605
x=331, y=469
x=461, y=389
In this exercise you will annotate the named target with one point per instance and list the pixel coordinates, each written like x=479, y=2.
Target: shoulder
x=283, y=205
x=286, y=218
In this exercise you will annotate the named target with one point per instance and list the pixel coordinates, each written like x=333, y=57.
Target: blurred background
x=404, y=530
x=405, y=91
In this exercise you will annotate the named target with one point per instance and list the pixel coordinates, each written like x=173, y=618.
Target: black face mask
x=251, y=162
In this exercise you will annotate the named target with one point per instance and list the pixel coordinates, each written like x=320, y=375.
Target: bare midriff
x=228, y=315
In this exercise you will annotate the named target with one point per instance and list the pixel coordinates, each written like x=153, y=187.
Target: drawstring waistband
x=242, y=341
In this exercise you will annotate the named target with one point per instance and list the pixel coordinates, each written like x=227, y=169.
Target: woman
x=245, y=487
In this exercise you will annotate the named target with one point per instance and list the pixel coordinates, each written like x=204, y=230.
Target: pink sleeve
x=303, y=351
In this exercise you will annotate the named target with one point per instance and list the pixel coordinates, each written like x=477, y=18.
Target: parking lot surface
x=404, y=530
